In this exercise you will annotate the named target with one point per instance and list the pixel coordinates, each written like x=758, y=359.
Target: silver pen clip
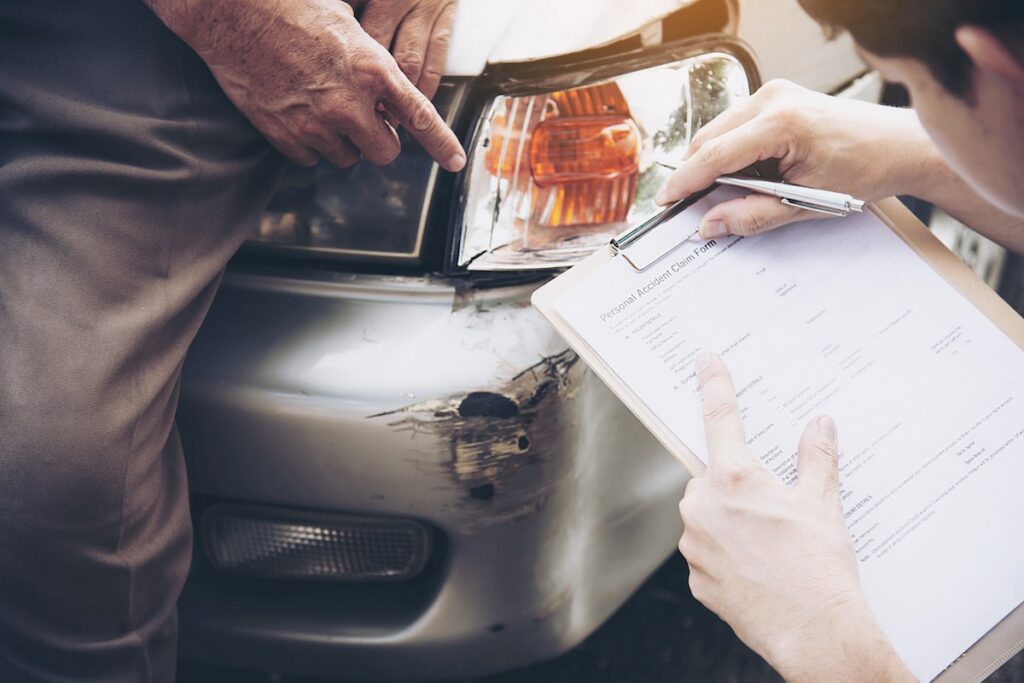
x=838, y=213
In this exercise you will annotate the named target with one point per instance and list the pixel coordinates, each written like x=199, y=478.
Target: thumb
x=751, y=215
x=818, y=456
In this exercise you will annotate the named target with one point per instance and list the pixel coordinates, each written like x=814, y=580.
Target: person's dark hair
x=924, y=30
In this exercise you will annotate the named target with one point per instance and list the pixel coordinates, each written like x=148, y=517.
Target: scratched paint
x=500, y=440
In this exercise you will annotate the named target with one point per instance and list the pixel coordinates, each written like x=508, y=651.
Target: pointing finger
x=419, y=117
x=818, y=457
x=727, y=441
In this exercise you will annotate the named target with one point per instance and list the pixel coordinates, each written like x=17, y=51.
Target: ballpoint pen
x=822, y=201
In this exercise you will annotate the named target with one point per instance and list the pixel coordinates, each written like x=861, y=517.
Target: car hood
x=501, y=31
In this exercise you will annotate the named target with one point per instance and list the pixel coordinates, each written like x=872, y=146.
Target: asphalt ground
x=661, y=635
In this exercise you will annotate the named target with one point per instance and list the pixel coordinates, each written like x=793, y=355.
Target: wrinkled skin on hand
x=418, y=33
x=777, y=562
x=307, y=75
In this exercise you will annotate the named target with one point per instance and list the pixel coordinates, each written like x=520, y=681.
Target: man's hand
x=307, y=75
x=866, y=150
x=418, y=33
x=776, y=562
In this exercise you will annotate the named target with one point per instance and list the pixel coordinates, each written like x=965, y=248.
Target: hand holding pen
x=820, y=142
x=834, y=204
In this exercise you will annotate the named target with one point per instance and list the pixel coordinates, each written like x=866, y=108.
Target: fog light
x=285, y=544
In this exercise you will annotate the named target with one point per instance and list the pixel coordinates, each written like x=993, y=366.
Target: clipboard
x=1004, y=640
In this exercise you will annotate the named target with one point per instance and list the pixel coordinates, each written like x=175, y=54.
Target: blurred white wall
x=791, y=45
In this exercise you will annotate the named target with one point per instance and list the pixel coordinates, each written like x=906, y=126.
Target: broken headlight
x=554, y=175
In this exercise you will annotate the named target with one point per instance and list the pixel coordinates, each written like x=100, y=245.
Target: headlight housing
x=555, y=174
x=366, y=213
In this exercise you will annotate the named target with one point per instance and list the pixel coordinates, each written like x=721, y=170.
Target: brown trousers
x=127, y=180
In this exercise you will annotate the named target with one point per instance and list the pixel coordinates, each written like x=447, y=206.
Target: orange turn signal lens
x=510, y=138
x=584, y=148
x=571, y=158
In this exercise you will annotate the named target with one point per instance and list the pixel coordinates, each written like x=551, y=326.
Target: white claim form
x=843, y=318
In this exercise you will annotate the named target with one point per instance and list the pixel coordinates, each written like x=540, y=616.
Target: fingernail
x=711, y=229
x=456, y=162
x=827, y=426
x=703, y=361
x=661, y=198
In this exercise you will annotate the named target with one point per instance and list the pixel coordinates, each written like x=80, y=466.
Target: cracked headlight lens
x=553, y=176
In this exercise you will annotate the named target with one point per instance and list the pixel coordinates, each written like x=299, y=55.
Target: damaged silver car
x=398, y=470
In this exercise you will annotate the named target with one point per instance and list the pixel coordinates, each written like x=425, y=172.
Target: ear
x=990, y=54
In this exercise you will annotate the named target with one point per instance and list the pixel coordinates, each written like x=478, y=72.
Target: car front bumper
x=414, y=398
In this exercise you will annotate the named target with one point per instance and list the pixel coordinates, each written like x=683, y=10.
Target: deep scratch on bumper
x=499, y=440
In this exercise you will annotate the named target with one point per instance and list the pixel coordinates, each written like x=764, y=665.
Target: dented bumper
x=409, y=398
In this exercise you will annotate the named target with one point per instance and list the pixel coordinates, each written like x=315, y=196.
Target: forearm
x=845, y=644
x=932, y=180
x=215, y=27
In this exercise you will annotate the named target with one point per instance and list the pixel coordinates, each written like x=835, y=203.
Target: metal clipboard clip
x=630, y=245
x=641, y=254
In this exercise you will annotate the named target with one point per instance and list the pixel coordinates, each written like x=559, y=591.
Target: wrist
x=844, y=642
x=921, y=171
x=224, y=29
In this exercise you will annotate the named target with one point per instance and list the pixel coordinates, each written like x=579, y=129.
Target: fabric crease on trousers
x=127, y=181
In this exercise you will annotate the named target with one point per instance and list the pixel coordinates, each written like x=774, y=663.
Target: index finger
x=419, y=117
x=730, y=152
x=727, y=440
